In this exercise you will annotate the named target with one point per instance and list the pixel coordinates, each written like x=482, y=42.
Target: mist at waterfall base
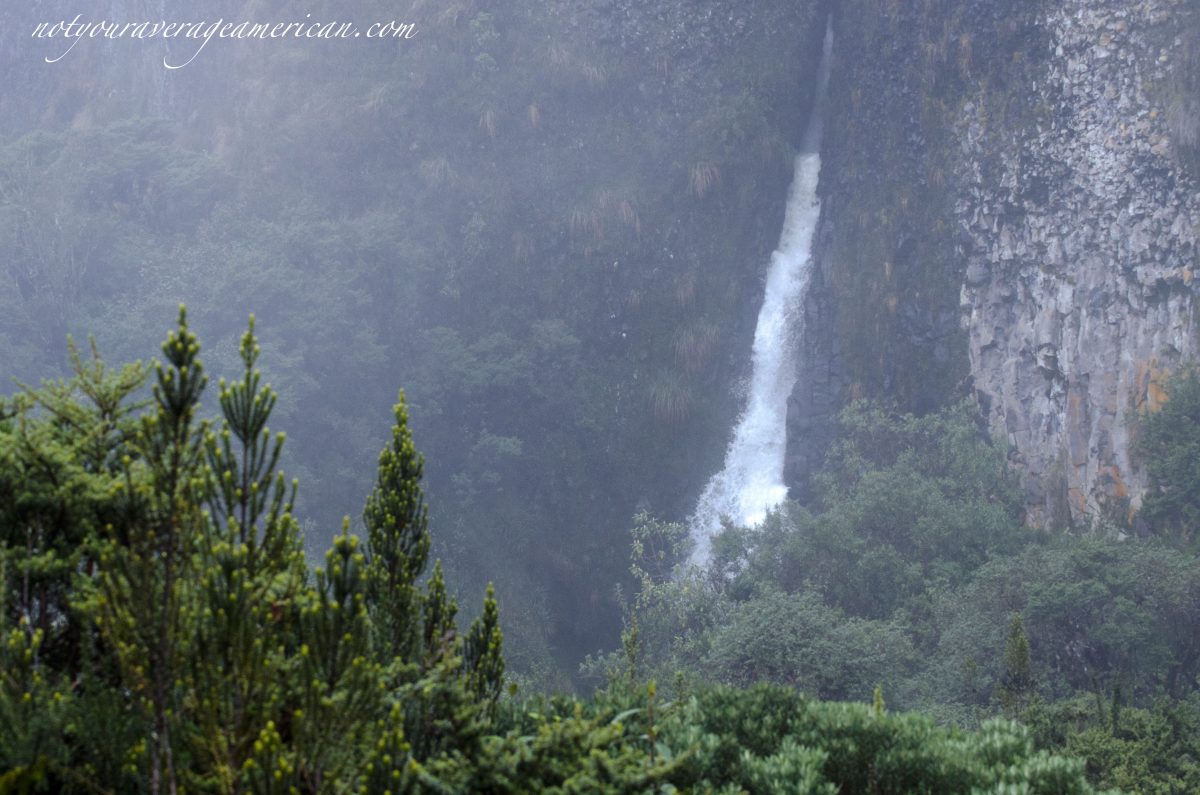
x=751, y=482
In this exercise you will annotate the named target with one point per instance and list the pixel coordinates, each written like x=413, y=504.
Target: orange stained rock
x=1151, y=393
x=1114, y=483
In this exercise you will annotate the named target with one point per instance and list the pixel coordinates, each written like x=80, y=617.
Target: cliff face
x=1080, y=241
x=1042, y=180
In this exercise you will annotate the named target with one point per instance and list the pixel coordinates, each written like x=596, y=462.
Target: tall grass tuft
x=670, y=397
x=487, y=122
x=704, y=176
x=694, y=344
x=685, y=289
x=436, y=171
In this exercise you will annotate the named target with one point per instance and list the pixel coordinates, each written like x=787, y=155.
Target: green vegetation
x=162, y=632
x=1169, y=443
x=550, y=229
x=499, y=215
x=911, y=570
x=893, y=174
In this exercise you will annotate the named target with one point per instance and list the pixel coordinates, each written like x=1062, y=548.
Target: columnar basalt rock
x=1080, y=241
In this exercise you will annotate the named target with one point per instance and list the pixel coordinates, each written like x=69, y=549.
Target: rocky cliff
x=1027, y=175
x=1080, y=241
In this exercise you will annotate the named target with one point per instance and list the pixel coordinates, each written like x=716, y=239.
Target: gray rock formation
x=1080, y=241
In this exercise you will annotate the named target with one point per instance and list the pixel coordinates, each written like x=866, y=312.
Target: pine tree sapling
x=483, y=653
x=250, y=565
x=1017, y=682
x=397, y=542
x=145, y=576
x=440, y=610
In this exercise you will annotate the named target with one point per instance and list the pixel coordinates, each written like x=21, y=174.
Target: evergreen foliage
x=1017, y=682
x=149, y=554
x=397, y=541
x=175, y=606
x=162, y=632
x=441, y=249
x=483, y=652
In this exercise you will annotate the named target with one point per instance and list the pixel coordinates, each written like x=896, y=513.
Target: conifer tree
x=338, y=691
x=483, y=653
x=218, y=663
x=251, y=567
x=397, y=543
x=390, y=766
x=59, y=453
x=1017, y=682
x=146, y=567
x=439, y=611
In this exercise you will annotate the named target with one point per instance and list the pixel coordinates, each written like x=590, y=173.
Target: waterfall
x=751, y=482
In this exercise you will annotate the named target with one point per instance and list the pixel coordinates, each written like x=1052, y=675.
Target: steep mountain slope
x=550, y=222
x=1014, y=200
x=547, y=222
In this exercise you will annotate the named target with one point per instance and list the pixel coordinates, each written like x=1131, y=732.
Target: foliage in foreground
x=162, y=632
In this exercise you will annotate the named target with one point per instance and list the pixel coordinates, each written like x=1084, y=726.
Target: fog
x=864, y=459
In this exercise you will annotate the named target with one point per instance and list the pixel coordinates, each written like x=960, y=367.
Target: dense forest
x=548, y=227
x=508, y=216
x=169, y=636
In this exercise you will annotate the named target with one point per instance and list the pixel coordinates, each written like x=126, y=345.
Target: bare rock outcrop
x=1079, y=233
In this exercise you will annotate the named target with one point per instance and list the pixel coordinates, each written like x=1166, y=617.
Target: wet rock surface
x=1080, y=237
x=1011, y=215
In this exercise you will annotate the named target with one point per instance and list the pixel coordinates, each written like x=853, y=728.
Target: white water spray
x=751, y=483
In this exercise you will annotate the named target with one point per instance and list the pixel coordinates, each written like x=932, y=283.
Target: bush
x=1169, y=446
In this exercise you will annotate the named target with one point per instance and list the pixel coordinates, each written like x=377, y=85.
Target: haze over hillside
x=801, y=341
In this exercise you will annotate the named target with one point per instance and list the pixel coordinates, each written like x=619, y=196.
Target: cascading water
x=751, y=482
